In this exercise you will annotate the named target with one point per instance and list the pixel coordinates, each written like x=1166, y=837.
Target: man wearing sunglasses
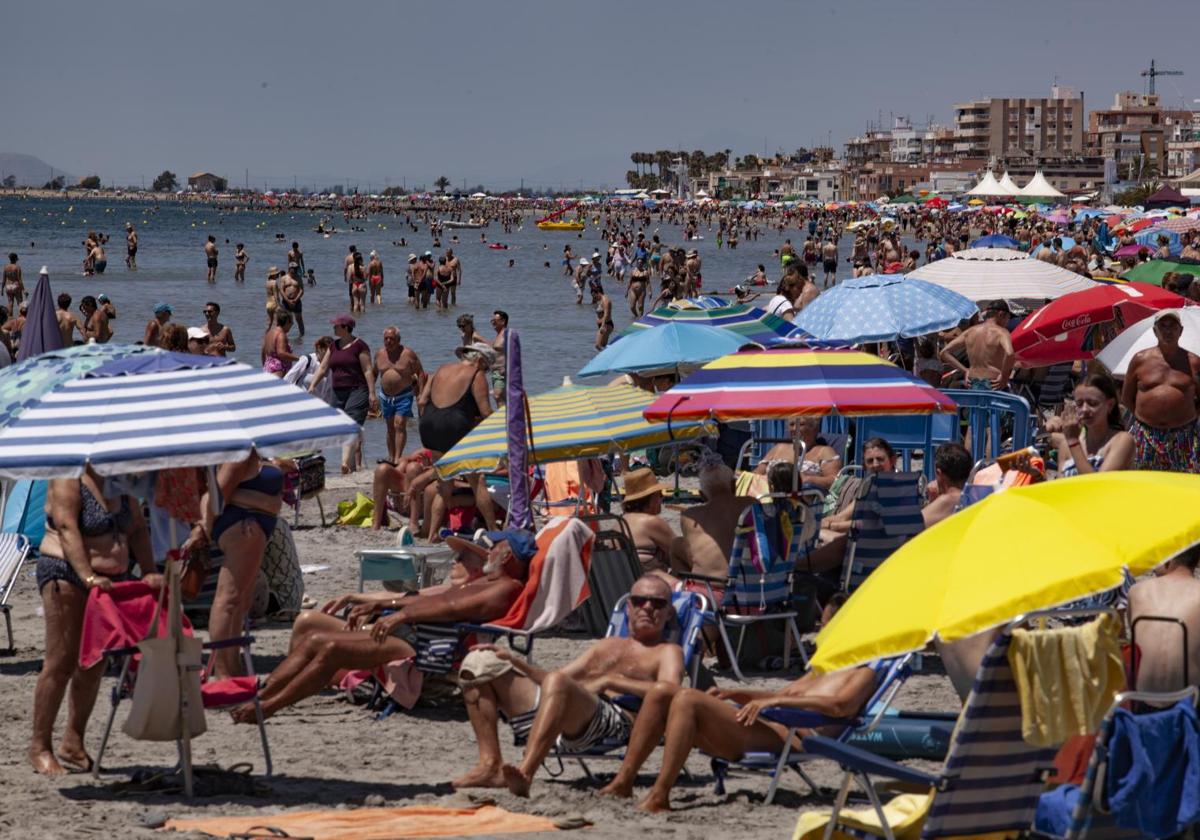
x=572, y=706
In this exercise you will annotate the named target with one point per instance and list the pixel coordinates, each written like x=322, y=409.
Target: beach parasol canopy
x=40, y=333
x=750, y=322
x=570, y=422
x=152, y=410
x=791, y=382
x=520, y=509
x=1069, y=328
x=1153, y=271
x=664, y=349
x=1182, y=224
x=700, y=302
x=883, y=307
x=965, y=575
x=972, y=274
x=1119, y=352
x=996, y=240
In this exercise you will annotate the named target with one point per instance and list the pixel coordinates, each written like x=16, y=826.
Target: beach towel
x=1067, y=678
x=905, y=815
x=376, y=823
x=766, y=544
x=558, y=574
x=120, y=618
x=1153, y=780
x=357, y=511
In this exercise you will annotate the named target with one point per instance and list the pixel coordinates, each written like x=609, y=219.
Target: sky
x=543, y=93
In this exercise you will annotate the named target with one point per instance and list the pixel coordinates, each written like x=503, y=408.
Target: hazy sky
x=552, y=92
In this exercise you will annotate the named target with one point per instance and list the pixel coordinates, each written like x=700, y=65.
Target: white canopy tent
x=987, y=186
x=1009, y=185
x=1039, y=187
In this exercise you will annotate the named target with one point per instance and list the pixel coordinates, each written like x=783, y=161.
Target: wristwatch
x=90, y=581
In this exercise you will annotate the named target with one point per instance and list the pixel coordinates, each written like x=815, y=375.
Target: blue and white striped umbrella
x=883, y=307
x=156, y=409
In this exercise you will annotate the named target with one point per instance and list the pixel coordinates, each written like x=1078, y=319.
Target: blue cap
x=160, y=308
x=522, y=543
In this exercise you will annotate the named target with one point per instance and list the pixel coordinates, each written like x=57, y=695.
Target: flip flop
x=264, y=832
x=74, y=766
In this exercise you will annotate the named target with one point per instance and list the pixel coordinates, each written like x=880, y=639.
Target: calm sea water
x=557, y=335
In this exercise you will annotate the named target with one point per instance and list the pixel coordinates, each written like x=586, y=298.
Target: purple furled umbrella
x=40, y=333
x=520, y=514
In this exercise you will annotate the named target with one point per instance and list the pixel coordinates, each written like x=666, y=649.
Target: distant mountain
x=31, y=171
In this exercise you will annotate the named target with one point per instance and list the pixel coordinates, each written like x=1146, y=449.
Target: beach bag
x=154, y=712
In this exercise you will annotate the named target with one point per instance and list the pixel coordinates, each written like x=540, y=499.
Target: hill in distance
x=31, y=171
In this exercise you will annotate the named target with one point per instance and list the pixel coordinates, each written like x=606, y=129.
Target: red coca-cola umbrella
x=1075, y=326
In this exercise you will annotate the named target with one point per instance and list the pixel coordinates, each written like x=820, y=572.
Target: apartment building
x=996, y=127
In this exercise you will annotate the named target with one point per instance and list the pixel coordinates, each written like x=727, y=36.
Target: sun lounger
x=614, y=568
x=14, y=548
x=887, y=514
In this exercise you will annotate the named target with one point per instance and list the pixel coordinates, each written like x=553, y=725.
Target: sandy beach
x=330, y=754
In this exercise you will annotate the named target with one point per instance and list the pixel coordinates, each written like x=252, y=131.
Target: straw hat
x=273, y=271
x=641, y=483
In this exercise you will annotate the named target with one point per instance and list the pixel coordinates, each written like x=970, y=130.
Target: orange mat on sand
x=376, y=823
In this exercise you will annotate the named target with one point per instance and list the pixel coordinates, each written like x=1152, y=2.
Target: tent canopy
x=1039, y=187
x=1009, y=185
x=988, y=186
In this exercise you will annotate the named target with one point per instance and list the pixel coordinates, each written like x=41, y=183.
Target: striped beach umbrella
x=156, y=409
x=571, y=422
x=790, y=382
x=701, y=302
x=749, y=322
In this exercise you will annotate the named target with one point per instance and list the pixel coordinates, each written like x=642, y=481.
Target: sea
x=526, y=280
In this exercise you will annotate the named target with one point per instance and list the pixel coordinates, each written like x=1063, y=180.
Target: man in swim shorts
x=1160, y=390
x=210, y=257
x=397, y=370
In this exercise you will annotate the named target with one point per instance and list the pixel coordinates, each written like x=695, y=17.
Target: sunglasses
x=640, y=601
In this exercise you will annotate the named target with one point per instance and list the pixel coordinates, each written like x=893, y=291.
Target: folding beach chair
x=769, y=540
x=614, y=568
x=14, y=548
x=990, y=780
x=887, y=514
x=125, y=615
x=1074, y=811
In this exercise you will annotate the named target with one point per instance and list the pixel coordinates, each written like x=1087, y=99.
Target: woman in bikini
x=443, y=282
x=652, y=536
x=820, y=464
x=358, y=285
x=277, y=355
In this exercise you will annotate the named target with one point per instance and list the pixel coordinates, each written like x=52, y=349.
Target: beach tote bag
x=154, y=712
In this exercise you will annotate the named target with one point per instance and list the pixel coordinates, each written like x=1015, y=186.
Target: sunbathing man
x=708, y=529
x=571, y=705
x=322, y=645
x=1173, y=593
x=725, y=723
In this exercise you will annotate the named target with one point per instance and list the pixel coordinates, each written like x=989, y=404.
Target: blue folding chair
x=887, y=514
x=908, y=434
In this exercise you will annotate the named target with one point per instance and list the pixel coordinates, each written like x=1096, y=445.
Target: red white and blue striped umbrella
x=790, y=382
x=749, y=322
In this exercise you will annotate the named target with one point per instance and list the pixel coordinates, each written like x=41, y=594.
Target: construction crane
x=1154, y=73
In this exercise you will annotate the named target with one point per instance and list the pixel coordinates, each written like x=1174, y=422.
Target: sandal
x=263, y=832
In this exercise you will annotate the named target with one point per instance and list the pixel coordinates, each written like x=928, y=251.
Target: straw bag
x=154, y=712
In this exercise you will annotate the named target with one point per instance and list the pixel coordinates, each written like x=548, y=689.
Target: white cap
x=197, y=332
x=45, y=271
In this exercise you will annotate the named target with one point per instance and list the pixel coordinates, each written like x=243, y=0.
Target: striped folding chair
x=991, y=779
x=14, y=548
x=887, y=514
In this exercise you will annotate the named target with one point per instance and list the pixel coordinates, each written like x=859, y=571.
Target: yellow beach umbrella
x=1019, y=550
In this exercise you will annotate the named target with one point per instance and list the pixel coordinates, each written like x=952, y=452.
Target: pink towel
x=120, y=618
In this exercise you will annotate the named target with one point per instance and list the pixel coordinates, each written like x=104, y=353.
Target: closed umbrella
x=883, y=307
x=1120, y=351
x=40, y=333
x=967, y=574
x=664, y=349
x=788, y=382
x=749, y=322
x=570, y=422
x=975, y=275
x=520, y=512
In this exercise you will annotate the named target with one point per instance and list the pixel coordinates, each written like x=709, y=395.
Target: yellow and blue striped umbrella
x=571, y=422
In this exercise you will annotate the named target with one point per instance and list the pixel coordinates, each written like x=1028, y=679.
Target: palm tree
x=441, y=184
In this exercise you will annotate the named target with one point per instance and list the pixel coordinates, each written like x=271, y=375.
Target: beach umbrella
x=1067, y=244
x=154, y=409
x=1058, y=217
x=700, y=302
x=1153, y=271
x=664, y=349
x=571, y=422
x=883, y=307
x=791, y=382
x=1149, y=237
x=973, y=274
x=750, y=322
x=22, y=384
x=1119, y=352
x=967, y=573
x=1071, y=327
x=41, y=333
x=1184, y=224
x=1131, y=250
x=996, y=240
x=520, y=511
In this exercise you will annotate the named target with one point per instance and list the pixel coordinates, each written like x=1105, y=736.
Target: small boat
x=470, y=224
x=496, y=246
x=560, y=225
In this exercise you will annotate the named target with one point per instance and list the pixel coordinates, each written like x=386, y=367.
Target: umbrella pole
x=175, y=619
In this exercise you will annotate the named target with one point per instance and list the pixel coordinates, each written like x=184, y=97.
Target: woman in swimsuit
x=443, y=283
x=252, y=491
x=652, y=536
x=358, y=285
x=453, y=402
x=638, y=282
x=820, y=464
x=90, y=539
x=277, y=355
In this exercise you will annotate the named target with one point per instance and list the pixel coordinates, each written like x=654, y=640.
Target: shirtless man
x=1174, y=593
x=397, y=370
x=220, y=336
x=455, y=265
x=573, y=705
x=162, y=314
x=95, y=321
x=14, y=289
x=691, y=270
x=131, y=242
x=411, y=278
x=603, y=306
x=291, y=295
x=68, y=321
x=989, y=350
x=951, y=466
x=708, y=528
x=581, y=275
x=210, y=258
x=498, y=374
x=295, y=257
x=323, y=644
x=97, y=258
x=1160, y=390
x=375, y=278
x=808, y=289
x=422, y=274
x=829, y=263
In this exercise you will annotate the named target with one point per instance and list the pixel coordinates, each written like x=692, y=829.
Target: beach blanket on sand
x=376, y=823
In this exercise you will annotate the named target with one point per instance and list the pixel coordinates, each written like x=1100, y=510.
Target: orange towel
x=377, y=823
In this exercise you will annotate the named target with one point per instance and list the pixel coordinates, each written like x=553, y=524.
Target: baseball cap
x=998, y=305
x=522, y=543
x=1168, y=313
x=481, y=666
x=197, y=333
x=343, y=321
x=103, y=298
x=160, y=308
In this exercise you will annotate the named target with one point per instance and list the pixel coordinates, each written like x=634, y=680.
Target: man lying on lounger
x=323, y=644
x=571, y=705
x=726, y=723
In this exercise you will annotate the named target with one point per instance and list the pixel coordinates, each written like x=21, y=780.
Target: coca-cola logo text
x=1076, y=322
